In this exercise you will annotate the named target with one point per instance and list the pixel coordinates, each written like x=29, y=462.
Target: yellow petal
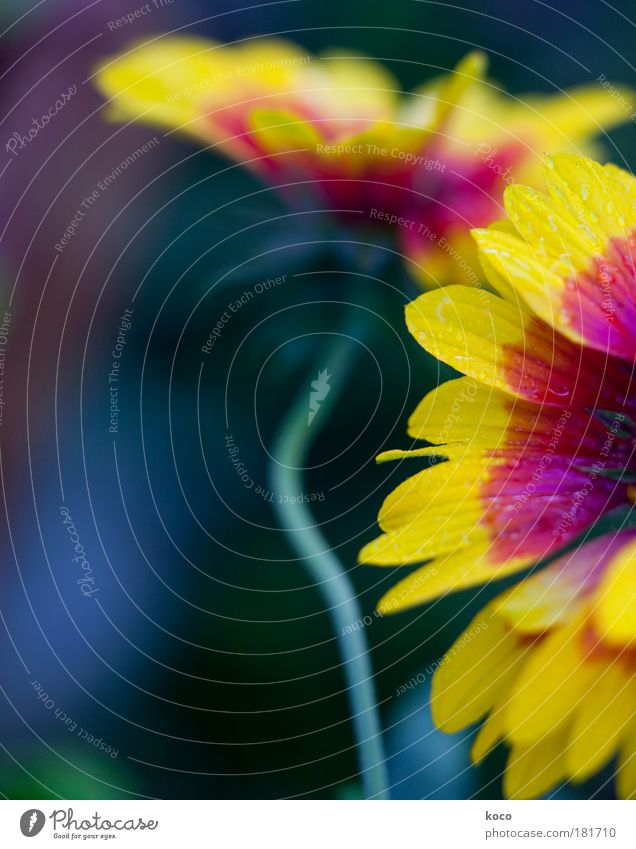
x=549, y=686
x=451, y=450
x=494, y=277
x=564, y=119
x=470, y=566
x=467, y=72
x=437, y=533
x=594, y=194
x=358, y=85
x=163, y=81
x=553, y=596
x=273, y=64
x=462, y=409
x=476, y=670
x=553, y=232
x=615, y=613
x=600, y=720
x=435, y=101
x=625, y=181
x=626, y=778
x=534, y=769
x=491, y=732
x=443, y=486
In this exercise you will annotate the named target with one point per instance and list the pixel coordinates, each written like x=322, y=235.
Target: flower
x=336, y=130
x=539, y=439
x=539, y=434
x=553, y=664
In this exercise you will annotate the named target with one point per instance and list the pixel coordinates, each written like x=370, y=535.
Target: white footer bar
x=318, y=824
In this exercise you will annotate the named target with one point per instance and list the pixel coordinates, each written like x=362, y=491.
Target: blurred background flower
x=335, y=131
x=203, y=658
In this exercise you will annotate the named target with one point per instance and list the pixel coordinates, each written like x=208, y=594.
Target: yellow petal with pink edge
x=573, y=265
x=375, y=149
x=496, y=342
x=600, y=721
x=474, y=673
x=181, y=81
x=534, y=769
x=468, y=329
x=550, y=685
x=279, y=131
x=540, y=285
x=615, y=612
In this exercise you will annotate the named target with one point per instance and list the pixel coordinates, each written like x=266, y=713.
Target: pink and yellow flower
x=336, y=129
x=539, y=437
x=551, y=664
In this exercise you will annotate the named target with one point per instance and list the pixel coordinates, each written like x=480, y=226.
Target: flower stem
x=292, y=447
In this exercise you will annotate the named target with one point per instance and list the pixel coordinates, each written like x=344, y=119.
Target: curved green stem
x=292, y=447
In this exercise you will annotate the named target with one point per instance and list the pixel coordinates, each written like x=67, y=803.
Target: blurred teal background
x=209, y=665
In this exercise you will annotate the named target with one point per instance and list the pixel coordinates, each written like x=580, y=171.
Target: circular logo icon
x=32, y=822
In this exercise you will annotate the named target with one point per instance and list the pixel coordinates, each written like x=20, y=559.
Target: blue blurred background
x=198, y=661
